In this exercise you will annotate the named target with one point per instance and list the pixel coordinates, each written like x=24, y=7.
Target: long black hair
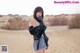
x=38, y=9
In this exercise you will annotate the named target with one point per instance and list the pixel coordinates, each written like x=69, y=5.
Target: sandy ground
x=61, y=40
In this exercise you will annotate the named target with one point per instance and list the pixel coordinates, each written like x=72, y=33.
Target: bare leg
x=40, y=51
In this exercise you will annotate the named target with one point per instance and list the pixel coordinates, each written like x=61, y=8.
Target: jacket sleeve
x=46, y=39
x=32, y=30
x=38, y=30
x=41, y=30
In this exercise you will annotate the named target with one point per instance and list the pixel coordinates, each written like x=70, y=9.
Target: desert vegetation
x=21, y=22
x=16, y=23
x=61, y=39
x=74, y=22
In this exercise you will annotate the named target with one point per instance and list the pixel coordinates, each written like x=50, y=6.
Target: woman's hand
x=47, y=47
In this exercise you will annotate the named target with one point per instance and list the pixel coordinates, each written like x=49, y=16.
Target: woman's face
x=39, y=14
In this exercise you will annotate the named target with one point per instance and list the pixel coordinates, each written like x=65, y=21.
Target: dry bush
x=74, y=22
x=10, y=15
x=1, y=15
x=58, y=21
x=16, y=23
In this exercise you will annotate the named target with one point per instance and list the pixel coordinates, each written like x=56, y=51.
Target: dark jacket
x=38, y=31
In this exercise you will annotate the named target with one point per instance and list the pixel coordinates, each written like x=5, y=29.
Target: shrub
x=10, y=15
x=58, y=21
x=16, y=23
x=1, y=15
x=74, y=22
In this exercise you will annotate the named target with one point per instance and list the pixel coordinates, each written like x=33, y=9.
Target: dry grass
x=60, y=41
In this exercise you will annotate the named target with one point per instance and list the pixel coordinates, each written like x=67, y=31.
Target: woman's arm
x=32, y=26
x=32, y=22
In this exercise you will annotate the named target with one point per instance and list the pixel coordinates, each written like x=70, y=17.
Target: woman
x=39, y=44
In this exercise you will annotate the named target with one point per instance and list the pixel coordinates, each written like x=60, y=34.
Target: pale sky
x=26, y=7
